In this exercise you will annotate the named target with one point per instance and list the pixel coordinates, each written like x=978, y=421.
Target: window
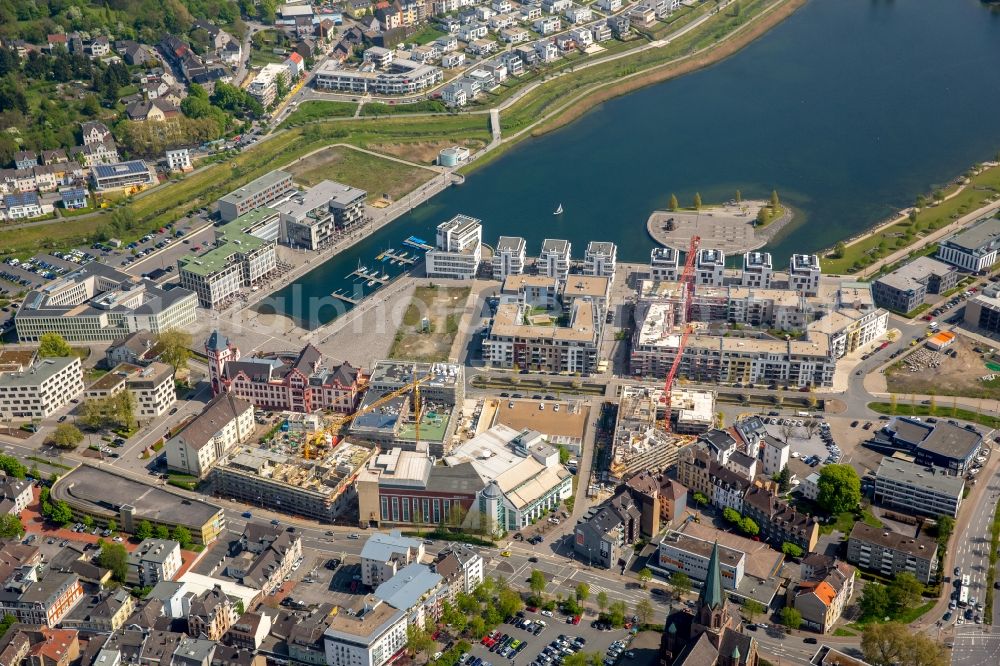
x=385, y=508
x=406, y=509
x=437, y=510
x=427, y=510
x=395, y=509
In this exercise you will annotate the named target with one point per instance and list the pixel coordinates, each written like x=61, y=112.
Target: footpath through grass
x=169, y=202
x=902, y=409
x=983, y=188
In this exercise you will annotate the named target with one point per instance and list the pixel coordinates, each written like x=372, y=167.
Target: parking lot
x=554, y=641
x=810, y=439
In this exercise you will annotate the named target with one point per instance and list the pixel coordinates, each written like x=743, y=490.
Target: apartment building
x=211, y=614
x=40, y=600
x=889, y=553
x=458, y=249
x=605, y=535
x=269, y=554
x=804, y=274
x=905, y=288
x=152, y=387
x=179, y=160
x=508, y=258
x=573, y=348
x=313, y=218
x=132, y=174
x=664, y=264
x=779, y=521
x=983, y=312
x=98, y=303
x=824, y=591
x=461, y=569
x=40, y=390
x=372, y=633
x=679, y=552
x=152, y=561
x=15, y=494
x=974, y=249
x=240, y=258
x=402, y=77
x=710, y=267
x=554, y=261
x=383, y=555
x=264, y=86
x=262, y=191
x=915, y=489
x=225, y=422
x=600, y=259
x=758, y=270
x=303, y=382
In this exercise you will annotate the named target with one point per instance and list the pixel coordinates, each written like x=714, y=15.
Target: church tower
x=219, y=350
x=712, y=613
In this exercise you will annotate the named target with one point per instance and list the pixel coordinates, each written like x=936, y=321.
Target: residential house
x=547, y=25
x=821, y=596
x=888, y=553
x=211, y=615
x=25, y=159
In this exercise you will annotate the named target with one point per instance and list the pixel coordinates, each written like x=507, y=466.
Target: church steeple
x=711, y=592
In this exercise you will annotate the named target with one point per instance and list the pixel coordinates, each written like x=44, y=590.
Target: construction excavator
x=329, y=435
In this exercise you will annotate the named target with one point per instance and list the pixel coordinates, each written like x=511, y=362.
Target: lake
x=850, y=108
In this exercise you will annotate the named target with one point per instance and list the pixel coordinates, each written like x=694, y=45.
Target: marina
x=345, y=297
x=418, y=243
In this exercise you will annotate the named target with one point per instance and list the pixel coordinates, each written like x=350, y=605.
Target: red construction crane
x=687, y=280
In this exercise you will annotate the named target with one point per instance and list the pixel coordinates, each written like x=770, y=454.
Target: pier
x=418, y=243
x=345, y=298
x=390, y=255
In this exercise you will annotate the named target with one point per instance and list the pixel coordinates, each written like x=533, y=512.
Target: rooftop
x=381, y=546
x=39, y=372
x=554, y=419
x=510, y=244
x=364, y=624
x=408, y=586
x=912, y=275
x=984, y=233
x=900, y=471
x=951, y=441
x=918, y=546
x=265, y=182
x=555, y=245
x=603, y=248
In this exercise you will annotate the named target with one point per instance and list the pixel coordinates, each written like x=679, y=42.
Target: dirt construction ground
x=442, y=307
x=422, y=152
x=962, y=376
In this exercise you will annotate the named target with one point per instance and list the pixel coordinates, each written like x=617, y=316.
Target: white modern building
x=371, y=635
x=804, y=273
x=710, y=266
x=313, y=218
x=917, y=490
x=40, y=390
x=555, y=258
x=600, y=259
x=508, y=257
x=974, y=249
x=152, y=561
x=757, y=270
x=262, y=191
x=225, y=422
x=664, y=264
x=383, y=555
x=152, y=387
x=458, y=249
x=179, y=160
x=774, y=455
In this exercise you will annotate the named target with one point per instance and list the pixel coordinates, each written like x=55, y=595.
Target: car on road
x=810, y=640
x=62, y=418
x=274, y=522
x=173, y=410
x=958, y=571
x=505, y=553
x=532, y=559
x=353, y=535
x=247, y=514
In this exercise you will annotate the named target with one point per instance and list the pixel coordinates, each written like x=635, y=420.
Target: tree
x=874, y=603
x=674, y=204
x=582, y=592
x=839, y=489
x=791, y=550
x=905, y=591
x=537, y=582
x=739, y=196
x=753, y=608
x=182, y=536
x=749, y=527
x=616, y=614
x=88, y=522
x=144, y=530
x=783, y=479
x=564, y=455
x=10, y=527
x=602, y=600
x=11, y=466
x=791, y=618
x=680, y=583
x=697, y=201
x=945, y=527
x=699, y=498
x=509, y=602
x=418, y=641
x=112, y=525
x=281, y=87
x=644, y=610
x=645, y=575
x=912, y=216
x=61, y=513
x=774, y=200
x=477, y=626
x=52, y=345
x=162, y=532
x=114, y=557
x=176, y=346
x=65, y=436
x=839, y=250
x=762, y=215
x=893, y=644
x=731, y=515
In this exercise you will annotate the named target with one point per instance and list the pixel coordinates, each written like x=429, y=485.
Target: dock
x=373, y=276
x=345, y=297
x=390, y=255
x=418, y=243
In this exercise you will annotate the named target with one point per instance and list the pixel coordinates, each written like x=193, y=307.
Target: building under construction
x=640, y=443
x=280, y=480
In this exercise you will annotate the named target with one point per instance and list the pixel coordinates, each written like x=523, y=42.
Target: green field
x=424, y=106
x=375, y=175
x=939, y=410
x=983, y=188
x=167, y=203
x=309, y=112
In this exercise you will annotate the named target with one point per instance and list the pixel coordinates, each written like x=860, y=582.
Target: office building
x=974, y=249
x=152, y=388
x=983, y=312
x=679, y=552
x=97, y=303
x=554, y=261
x=917, y=490
x=400, y=77
x=906, y=287
x=133, y=174
x=458, y=249
x=40, y=390
x=312, y=219
x=888, y=553
x=239, y=259
x=225, y=422
x=508, y=258
x=600, y=259
x=270, y=187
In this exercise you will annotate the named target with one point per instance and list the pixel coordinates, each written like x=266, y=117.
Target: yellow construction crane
x=333, y=425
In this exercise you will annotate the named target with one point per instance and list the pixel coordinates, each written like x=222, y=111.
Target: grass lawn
x=846, y=520
x=937, y=410
x=984, y=187
x=426, y=36
x=319, y=110
x=375, y=175
x=843, y=632
x=154, y=208
x=424, y=106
